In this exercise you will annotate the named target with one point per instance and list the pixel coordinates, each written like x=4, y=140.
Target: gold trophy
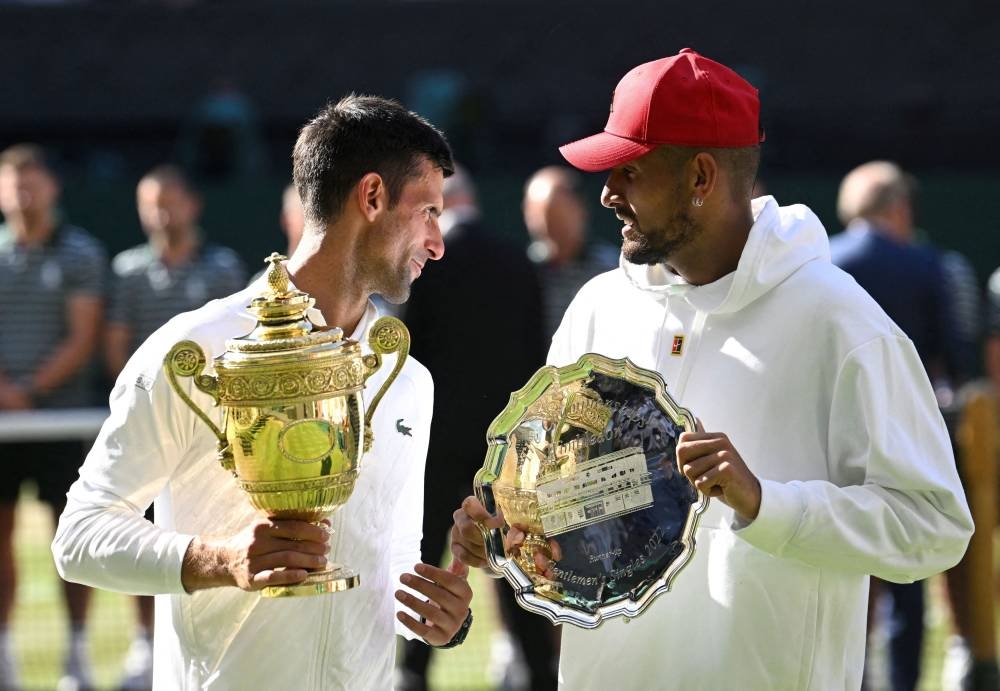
x=294, y=424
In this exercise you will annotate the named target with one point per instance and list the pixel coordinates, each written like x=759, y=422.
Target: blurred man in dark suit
x=476, y=323
x=555, y=214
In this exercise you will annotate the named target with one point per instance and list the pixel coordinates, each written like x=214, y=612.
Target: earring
x=698, y=201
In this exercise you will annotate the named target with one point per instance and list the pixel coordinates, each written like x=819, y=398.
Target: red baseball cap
x=684, y=100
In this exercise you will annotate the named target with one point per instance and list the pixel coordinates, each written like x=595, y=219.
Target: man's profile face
x=28, y=189
x=554, y=215
x=165, y=207
x=408, y=236
x=647, y=195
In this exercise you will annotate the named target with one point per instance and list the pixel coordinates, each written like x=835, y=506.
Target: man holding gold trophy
x=819, y=441
x=257, y=386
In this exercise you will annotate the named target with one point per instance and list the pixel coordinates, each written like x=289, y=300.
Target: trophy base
x=329, y=581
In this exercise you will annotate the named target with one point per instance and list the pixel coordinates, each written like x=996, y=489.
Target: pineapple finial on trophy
x=277, y=274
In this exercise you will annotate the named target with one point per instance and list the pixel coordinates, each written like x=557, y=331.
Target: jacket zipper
x=327, y=603
x=659, y=361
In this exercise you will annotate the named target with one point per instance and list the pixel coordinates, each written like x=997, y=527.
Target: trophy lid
x=282, y=323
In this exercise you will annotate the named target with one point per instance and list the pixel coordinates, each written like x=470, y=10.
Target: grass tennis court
x=40, y=633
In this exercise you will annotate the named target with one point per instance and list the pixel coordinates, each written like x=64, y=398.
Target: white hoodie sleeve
x=894, y=507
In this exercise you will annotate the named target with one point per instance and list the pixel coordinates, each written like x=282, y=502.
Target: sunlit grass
x=40, y=632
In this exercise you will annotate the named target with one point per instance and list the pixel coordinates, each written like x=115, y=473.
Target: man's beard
x=656, y=246
x=388, y=278
x=393, y=283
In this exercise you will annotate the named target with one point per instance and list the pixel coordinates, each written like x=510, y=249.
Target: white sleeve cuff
x=178, y=548
x=781, y=510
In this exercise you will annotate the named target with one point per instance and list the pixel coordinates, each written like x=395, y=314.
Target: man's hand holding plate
x=714, y=466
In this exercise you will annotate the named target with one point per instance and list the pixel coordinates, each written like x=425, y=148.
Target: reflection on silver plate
x=582, y=461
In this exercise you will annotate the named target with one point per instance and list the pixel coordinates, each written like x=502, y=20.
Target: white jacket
x=827, y=402
x=152, y=445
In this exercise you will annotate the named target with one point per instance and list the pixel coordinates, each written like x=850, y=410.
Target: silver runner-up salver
x=582, y=463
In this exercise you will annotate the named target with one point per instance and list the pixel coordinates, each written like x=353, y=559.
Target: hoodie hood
x=781, y=240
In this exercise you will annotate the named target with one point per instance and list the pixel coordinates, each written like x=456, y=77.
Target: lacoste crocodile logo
x=403, y=429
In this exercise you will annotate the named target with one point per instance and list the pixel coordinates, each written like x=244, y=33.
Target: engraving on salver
x=615, y=484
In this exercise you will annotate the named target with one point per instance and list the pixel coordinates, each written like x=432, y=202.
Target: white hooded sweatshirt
x=827, y=402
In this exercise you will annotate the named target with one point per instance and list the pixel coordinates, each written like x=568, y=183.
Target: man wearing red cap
x=827, y=454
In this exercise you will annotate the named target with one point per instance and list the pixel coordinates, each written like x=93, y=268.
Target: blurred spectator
x=292, y=218
x=174, y=271
x=292, y=222
x=555, y=214
x=964, y=297
x=476, y=322
x=970, y=662
x=907, y=281
x=52, y=281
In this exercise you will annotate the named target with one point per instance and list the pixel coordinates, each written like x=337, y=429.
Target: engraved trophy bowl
x=583, y=462
x=294, y=422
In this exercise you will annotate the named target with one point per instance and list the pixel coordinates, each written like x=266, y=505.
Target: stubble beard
x=656, y=246
x=389, y=277
x=393, y=283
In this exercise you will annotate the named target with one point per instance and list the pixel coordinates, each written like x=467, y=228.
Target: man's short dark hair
x=356, y=136
x=742, y=163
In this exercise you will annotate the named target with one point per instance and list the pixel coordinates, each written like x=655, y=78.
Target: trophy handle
x=387, y=335
x=187, y=359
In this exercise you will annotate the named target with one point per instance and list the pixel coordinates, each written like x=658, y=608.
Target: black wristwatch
x=459, y=637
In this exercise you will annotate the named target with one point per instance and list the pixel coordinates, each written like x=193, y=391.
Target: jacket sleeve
x=894, y=506
x=102, y=538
